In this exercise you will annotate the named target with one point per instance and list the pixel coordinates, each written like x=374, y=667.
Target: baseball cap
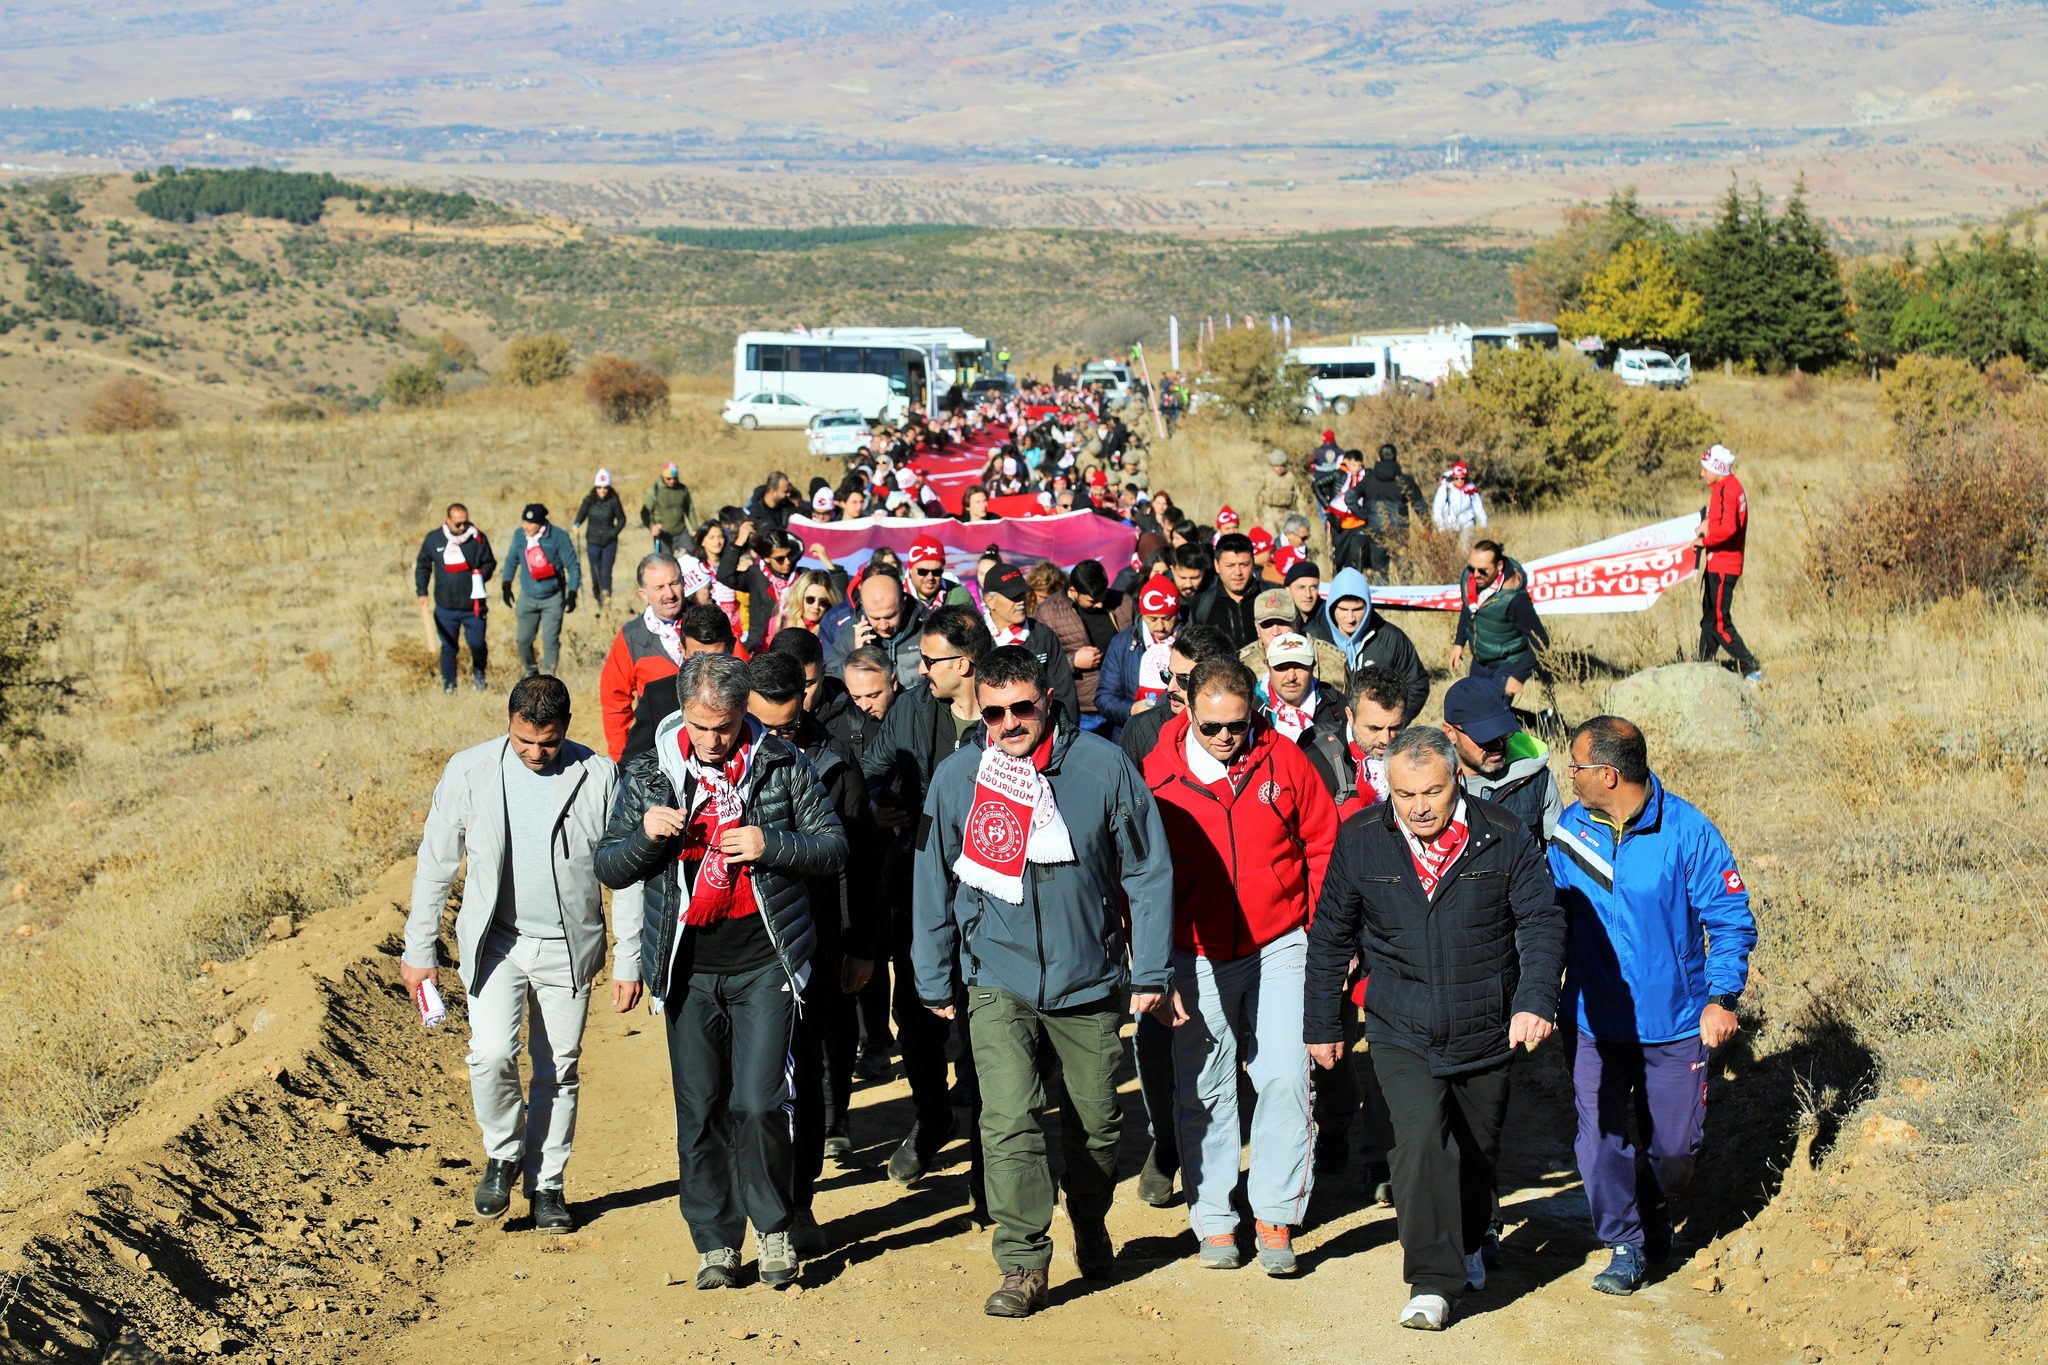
x=1277, y=458
x=1329, y=437
x=1097, y=479
x=1718, y=459
x=1303, y=568
x=1291, y=648
x=925, y=550
x=604, y=478
x=1159, y=597
x=1273, y=605
x=534, y=512
x=1261, y=539
x=1004, y=580
x=1479, y=707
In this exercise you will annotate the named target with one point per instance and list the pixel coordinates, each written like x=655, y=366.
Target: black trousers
x=1717, y=622
x=875, y=1034
x=1446, y=1139
x=823, y=1056
x=729, y=1063
x=1352, y=1085
x=601, y=558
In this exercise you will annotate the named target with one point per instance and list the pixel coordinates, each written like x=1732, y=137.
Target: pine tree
x=1810, y=305
x=1729, y=266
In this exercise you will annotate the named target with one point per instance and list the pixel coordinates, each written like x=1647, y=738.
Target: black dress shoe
x=1094, y=1253
x=494, y=1191
x=551, y=1213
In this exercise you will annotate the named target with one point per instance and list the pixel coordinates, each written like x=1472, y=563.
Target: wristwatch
x=1727, y=1000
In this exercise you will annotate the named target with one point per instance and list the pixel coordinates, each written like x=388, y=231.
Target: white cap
x=604, y=478
x=1718, y=461
x=695, y=576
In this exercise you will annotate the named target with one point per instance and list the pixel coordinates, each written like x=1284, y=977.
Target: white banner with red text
x=1628, y=572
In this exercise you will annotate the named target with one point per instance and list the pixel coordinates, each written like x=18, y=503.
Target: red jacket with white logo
x=1247, y=864
x=1727, y=525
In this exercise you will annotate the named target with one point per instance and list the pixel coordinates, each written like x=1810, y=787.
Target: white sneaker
x=1426, y=1313
x=1475, y=1271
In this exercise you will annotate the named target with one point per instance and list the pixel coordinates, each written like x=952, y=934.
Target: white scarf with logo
x=456, y=562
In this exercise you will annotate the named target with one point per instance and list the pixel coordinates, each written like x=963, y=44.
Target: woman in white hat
x=600, y=517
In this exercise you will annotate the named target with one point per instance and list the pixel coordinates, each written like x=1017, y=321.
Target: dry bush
x=131, y=403
x=531, y=361
x=1424, y=554
x=1802, y=387
x=623, y=390
x=2008, y=377
x=294, y=410
x=1927, y=395
x=1544, y=427
x=1662, y=436
x=413, y=386
x=1247, y=374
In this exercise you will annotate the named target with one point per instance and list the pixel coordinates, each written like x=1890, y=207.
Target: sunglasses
x=817, y=601
x=789, y=731
x=927, y=571
x=1212, y=728
x=930, y=663
x=1184, y=680
x=992, y=716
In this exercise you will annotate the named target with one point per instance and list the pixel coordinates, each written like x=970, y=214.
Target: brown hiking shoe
x=1022, y=1293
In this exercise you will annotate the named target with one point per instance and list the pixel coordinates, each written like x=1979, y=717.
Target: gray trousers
x=540, y=616
x=521, y=977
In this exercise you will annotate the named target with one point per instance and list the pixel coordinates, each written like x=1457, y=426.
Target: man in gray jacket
x=1034, y=835
x=543, y=559
x=528, y=808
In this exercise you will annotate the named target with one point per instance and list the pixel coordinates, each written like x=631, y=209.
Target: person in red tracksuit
x=1250, y=827
x=1723, y=529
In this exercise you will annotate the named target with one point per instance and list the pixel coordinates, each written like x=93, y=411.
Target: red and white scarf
x=1372, y=776
x=1154, y=666
x=669, y=633
x=1288, y=719
x=1434, y=858
x=1014, y=820
x=455, y=561
x=720, y=891
x=1007, y=635
x=1476, y=596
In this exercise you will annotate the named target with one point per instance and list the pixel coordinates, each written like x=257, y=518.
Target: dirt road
x=911, y=1273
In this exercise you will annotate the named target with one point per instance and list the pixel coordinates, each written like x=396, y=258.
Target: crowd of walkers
x=980, y=824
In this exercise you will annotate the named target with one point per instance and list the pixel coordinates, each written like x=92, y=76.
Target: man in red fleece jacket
x=1250, y=827
x=1724, y=527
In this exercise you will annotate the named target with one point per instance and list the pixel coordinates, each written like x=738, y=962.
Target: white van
x=1341, y=375
x=1648, y=369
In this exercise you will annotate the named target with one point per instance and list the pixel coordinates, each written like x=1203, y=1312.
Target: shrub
x=449, y=352
x=413, y=386
x=1964, y=512
x=131, y=403
x=1801, y=388
x=1925, y=395
x=1248, y=375
x=1663, y=433
x=2008, y=377
x=293, y=410
x=32, y=614
x=1548, y=425
x=624, y=390
x=531, y=361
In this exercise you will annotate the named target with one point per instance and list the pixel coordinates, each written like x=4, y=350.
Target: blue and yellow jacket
x=1659, y=919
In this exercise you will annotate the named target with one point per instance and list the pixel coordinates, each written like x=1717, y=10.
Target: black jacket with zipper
x=1446, y=972
x=802, y=839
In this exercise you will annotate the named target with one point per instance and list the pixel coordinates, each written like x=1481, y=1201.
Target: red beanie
x=1159, y=598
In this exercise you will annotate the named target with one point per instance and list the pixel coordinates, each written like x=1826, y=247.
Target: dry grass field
x=261, y=728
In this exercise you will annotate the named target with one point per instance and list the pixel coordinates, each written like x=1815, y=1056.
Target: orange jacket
x=635, y=660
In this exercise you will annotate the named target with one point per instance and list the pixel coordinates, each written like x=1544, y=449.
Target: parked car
x=1000, y=387
x=778, y=410
x=1652, y=369
x=837, y=431
x=1114, y=376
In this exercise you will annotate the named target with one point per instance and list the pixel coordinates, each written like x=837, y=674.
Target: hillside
x=236, y=312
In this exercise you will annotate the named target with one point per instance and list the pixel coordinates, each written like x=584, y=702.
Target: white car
x=1652, y=369
x=779, y=410
x=840, y=431
x=1114, y=378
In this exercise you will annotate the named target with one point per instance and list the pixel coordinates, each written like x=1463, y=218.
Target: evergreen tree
x=1879, y=291
x=1809, y=315
x=1729, y=266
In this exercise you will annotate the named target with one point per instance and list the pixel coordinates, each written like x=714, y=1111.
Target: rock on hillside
x=1690, y=706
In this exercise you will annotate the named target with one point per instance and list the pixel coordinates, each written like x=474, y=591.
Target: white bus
x=1517, y=336
x=1341, y=375
x=1435, y=355
x=961, y=357
x=879, y=378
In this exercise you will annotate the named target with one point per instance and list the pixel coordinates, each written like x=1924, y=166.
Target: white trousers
x=529, y=978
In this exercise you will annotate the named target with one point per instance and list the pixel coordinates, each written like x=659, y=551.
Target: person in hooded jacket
x=1349, y=621
x=723, y=825
x=1250, y=829
x=1498, y=760
x=1385, y=496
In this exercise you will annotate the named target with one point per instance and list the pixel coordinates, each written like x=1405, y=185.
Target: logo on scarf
x=995, y=832
x=713, y=872
x=1270, y=793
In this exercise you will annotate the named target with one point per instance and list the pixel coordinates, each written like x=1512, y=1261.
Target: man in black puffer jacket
x=1448, y=905
x=723, y=824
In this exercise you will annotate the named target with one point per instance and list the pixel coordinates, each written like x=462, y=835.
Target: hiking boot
x=1094, y=1254
x=1155, y=1185
x=1624, y=1273
x=1475, y=1271
x=447, y=689
x=914, y=1157
x=1426, y=1313
x=480, y=683
x=1219, y=1252
x=718, y=1268
x=1381, y=1182
x=1021, y=1294
x=551, y=1212
x=806, y=1236
x=1276, y=1248
x=776, y=1260
x=494, y=1191
x=839, y=1147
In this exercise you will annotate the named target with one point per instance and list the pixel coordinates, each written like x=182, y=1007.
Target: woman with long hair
x=811, y=594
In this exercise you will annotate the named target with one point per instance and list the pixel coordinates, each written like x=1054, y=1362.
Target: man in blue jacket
x=1034, y=835
x=1661, y=933
x=543, y=558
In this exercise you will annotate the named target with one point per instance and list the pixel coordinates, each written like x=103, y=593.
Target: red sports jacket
x=1727, y=525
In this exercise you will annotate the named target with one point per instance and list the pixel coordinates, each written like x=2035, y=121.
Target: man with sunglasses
x=929, y=585
x=763, y=582
x=1035, y=836
x=923, y=727
x=845, y=912
x=1194, y=645
x=1250, y=829
x=1661, y=933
